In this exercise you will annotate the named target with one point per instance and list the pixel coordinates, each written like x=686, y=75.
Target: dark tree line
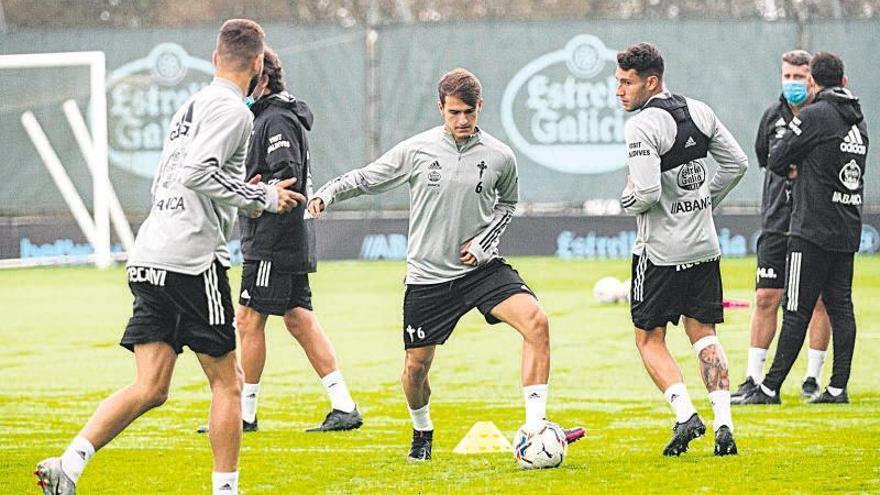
x=357, y=13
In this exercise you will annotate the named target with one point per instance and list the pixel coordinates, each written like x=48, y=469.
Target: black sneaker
x=245, y=427
x=810, y=388
x=745, y=388
x=759, y=397
x=724, y=444
x=337, y=420
x=682, y=434
x=420, y=450
x=827, y=398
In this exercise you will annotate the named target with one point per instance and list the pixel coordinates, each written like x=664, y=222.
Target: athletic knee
x=768, y=300
x=230, y=388
x=228, y=382
x=415, y=370
x=152, y=395
x=298, y=322
x=647, y=340
x=247, y=321
x=538, y=328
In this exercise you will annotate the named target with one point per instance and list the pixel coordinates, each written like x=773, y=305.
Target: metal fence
x=548, y=91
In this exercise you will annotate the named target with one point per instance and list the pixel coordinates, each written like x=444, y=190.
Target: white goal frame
x=96, y=230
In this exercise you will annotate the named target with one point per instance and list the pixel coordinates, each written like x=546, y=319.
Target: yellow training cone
x=484, y=437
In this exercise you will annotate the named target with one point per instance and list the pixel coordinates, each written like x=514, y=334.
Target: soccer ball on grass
x=540, y=447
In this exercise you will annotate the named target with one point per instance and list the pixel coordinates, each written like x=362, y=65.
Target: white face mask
x=251, y=99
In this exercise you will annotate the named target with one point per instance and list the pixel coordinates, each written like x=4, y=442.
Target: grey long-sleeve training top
x=673, y=208
x=458, y=192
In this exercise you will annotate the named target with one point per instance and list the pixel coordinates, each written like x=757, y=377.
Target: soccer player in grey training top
x=463, y=194
x=177, y=269
x=675, y=267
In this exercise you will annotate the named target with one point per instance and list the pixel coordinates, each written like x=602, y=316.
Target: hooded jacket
x=278, y=150
x=828, y=141
x=776, y=193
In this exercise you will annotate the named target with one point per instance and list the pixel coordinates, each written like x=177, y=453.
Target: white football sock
x=225, y=483
x=338, y=392
x=75, y=458
x=421, y=418
x=815, y=360
x=757, y=358
x=536, y=403
x=720, y=400
x=249, y=394
x=834, y=391
x=678, y=398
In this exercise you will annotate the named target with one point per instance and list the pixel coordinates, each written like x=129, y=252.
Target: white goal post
x=95, y=152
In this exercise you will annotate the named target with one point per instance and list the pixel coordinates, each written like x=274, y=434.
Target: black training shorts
x=772, y=249
x=662, y=294
x=181, y=310
x=271, y=290
x=430, y=312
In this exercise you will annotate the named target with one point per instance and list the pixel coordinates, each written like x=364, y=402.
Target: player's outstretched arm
x=390, y=171
x=732, y=163
x=222, y=135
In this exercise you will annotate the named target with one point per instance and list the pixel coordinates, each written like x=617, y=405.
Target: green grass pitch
x=60, y=357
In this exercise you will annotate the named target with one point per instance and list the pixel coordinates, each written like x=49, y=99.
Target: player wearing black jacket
x=828, y=143
x=279, y=253
x=772, y=244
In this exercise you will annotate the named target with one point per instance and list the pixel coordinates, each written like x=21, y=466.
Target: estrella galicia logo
x=561, y=111
x=691, y=176
x=851, y=175
x=142, y=97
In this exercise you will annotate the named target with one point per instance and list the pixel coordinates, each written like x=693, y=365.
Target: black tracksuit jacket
x=828, y=141
x=278, y=150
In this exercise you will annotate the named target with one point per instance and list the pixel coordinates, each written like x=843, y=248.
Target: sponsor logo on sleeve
x=275, y=142
x=795, y=126
x=853, y=143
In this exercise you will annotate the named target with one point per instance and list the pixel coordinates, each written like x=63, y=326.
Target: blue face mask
x=249, y=101
x=795, y=92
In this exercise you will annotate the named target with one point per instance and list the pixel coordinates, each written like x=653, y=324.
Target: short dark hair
x=644, y=58
x=827, y=69
x=797, y=57
x=273, y=70
x=461, y=84
x=239, y=41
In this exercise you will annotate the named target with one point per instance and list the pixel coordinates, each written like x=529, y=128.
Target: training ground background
x=59, y=358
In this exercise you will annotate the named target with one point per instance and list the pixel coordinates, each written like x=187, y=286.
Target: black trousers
x=813, y=271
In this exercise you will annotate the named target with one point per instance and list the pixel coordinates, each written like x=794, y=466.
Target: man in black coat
x=828, y=143
x=773, y=241
x=279, y=252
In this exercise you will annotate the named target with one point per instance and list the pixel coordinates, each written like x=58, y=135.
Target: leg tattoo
x=713, y=367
